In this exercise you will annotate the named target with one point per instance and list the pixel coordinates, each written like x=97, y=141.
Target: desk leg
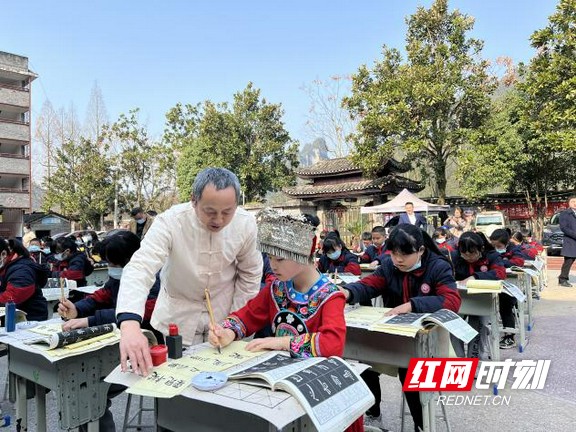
x=21, y=405
x=429, y=416
x=522, y=326
x=40, y=408
x=495, y=331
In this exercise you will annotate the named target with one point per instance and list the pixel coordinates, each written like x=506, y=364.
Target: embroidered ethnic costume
x=302, y=316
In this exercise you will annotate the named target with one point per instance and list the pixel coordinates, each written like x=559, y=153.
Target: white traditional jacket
x=192, y=258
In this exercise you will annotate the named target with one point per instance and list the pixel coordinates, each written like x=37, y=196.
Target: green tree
x=428, y=106
x=247, y=137
x=81, y=186
x=145, y=169
x=528, y=145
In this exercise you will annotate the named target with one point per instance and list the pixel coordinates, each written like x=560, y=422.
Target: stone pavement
x=552, y=409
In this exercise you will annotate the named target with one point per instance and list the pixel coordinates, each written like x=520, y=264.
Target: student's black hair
x=380, y=230
x=440, y=231
x=118, y=249
x=13, y=246
x=335, y=231
x=135, y=211
x=34, y=240
x=311, y=219
x=500, y=235
x=331, y=241
x=474, y=242
x=518, y=237
x=63, y=243
x=408, y=239
x=366, y=235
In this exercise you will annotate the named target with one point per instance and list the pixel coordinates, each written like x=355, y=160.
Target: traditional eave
x=343, y=166
x=389, y=183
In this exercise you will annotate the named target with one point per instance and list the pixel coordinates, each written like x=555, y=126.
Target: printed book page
x=537, y=264
x=453, y=323
x=329, y=390
x=513, y=291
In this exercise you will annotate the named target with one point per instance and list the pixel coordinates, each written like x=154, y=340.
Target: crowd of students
x=298, y=308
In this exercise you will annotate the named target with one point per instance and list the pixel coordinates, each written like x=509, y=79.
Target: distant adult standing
x=568, y=227
x=141, y=222
x=28, y=235
x=206, y=243
x=412, y=218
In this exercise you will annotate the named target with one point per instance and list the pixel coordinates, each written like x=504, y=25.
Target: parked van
x=489, y=221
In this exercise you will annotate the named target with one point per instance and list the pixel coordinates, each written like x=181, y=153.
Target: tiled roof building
x=341, y=179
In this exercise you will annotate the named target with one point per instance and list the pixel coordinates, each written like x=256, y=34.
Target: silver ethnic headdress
x=285, y=236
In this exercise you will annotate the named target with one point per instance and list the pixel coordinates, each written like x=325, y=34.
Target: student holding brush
x=305, y=309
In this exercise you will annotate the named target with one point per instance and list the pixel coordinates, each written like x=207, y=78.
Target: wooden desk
x=395, y=350
x=77, y=382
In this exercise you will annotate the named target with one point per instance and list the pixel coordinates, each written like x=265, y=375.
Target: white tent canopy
x=397, y=204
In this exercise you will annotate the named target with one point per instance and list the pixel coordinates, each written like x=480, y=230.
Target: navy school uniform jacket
x=430, y=288
x=347, y=262
x=100, y=307
x=77, y=267
x=513, y=256
x=373, y=253
x=22, y=282
x=489, y=267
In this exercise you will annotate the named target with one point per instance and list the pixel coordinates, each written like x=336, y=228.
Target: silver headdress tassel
x=285, y=236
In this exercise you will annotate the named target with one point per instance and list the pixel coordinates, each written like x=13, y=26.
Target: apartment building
x=15, y=141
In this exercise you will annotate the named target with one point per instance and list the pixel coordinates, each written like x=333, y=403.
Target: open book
x=331, y=392
x=408, y=324
x=530, y=271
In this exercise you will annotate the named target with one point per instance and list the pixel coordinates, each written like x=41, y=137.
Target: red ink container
x=159, y=354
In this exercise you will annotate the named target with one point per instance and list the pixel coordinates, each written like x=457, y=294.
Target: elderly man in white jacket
x=206, y=243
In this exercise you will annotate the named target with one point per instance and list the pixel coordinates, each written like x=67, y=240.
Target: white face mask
x=415, y=266
x=440, y=240
x=140, y=221
x=115, y=272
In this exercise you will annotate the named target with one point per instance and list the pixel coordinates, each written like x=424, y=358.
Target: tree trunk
x=440, y=178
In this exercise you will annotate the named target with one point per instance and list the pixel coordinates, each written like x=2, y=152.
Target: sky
x=153, y=54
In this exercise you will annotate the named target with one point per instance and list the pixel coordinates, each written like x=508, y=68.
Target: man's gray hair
x=220, y=178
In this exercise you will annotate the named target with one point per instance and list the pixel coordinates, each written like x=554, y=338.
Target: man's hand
x=134, y=347
x=402, y=309
x=269, y=343
x=66, y=309
x=374, y=264
x=75, y=324
x=218, y=336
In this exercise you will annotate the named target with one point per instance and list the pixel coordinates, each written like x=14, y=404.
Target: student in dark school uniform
x=528, y=251
x=416, y=277
x=440, y=236
x=475, y=258
x=72, y=264
x=336, y=256
x=512, y=256
x=21, y=280
x=373, y=252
